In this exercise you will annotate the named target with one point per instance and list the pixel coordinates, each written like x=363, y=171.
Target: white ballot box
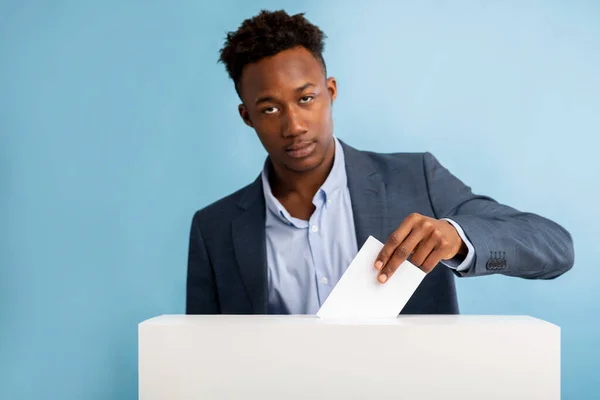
x=304, y=357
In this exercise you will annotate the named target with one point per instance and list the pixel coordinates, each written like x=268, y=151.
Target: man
x=279, y=245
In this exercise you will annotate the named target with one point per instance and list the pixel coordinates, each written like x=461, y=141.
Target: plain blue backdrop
x=117, y=123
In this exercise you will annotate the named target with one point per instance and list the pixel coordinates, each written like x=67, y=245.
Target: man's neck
x=301, y=186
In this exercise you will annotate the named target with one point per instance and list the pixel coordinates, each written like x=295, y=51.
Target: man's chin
x=303, y=165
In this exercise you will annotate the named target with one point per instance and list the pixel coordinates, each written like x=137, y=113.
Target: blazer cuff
x=460, y=263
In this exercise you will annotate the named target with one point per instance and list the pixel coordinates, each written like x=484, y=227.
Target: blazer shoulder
x=224, y=209
x=388, y=163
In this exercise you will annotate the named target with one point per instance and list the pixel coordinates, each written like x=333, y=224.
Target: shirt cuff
x=458, y=263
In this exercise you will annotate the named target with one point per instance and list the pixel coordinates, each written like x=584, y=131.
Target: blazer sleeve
x=201, y=288
x=506, y=241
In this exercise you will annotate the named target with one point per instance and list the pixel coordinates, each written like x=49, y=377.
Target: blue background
x=116, y=124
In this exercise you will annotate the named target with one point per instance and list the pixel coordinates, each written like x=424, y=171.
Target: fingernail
x=378, y=265
x=382, y=278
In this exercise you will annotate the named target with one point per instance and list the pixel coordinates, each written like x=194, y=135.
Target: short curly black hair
x=267, y=34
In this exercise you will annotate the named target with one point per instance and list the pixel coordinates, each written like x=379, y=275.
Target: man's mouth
x=300, y=150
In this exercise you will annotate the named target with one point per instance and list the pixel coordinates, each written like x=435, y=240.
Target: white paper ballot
x=358, y=294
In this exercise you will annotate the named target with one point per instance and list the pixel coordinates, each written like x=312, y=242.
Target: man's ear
x=332, y=88
x=245, y=115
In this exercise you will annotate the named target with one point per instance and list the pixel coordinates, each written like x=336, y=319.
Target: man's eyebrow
x=266, y=99
x=305, y=86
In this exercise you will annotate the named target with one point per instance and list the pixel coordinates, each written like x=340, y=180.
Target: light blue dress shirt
x=306, y=259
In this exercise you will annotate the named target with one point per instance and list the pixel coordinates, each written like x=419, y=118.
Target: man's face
x=287, y=100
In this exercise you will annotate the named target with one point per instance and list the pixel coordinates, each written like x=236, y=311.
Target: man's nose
x=294, y=124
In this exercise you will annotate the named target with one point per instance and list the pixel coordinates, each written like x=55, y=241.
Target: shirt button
x=315, y=228
x=324, y=280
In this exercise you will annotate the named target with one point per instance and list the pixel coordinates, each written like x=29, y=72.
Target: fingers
x=400, y=254
x=432, y=260
x=428, y=240
x=394, y=241
x=422, y=251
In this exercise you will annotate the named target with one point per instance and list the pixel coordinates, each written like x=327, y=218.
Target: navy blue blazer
x=227, y=270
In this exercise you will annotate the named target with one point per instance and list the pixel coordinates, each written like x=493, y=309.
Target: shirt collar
x=335, y=181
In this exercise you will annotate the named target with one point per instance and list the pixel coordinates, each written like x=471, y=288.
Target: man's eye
x=306, y=99
x=270, y=110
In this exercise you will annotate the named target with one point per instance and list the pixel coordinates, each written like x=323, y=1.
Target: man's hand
x=429, y=240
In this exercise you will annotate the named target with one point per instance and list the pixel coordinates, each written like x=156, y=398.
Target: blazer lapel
x=248, y=232
x=367, y=194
